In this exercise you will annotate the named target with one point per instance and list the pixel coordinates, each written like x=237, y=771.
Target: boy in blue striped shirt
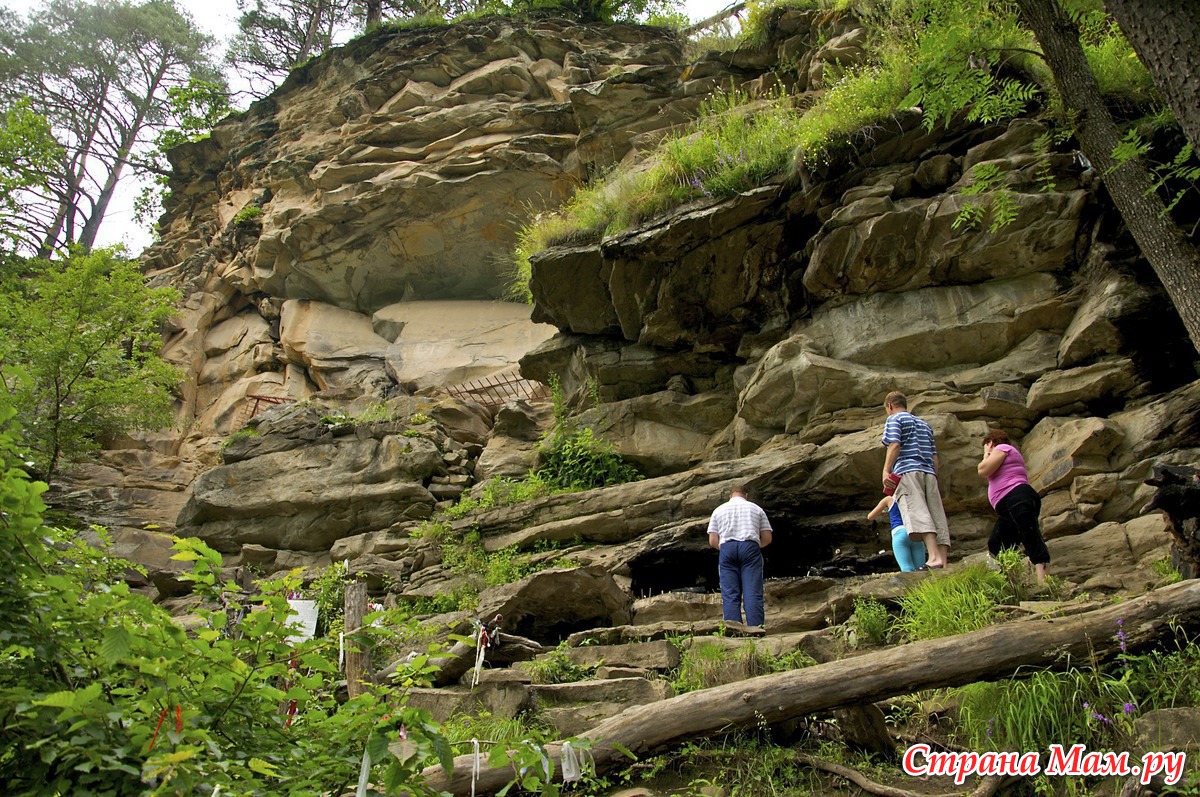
x=912, y=455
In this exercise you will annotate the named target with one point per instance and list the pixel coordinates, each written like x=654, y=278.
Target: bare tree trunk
x=715, y=19
x=374, y=13
x=990, y=654
x=1166, y=36
x=128, y=138
x=1174, y=259
x=310, y=33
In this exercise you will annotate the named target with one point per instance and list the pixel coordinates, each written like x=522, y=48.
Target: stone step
x=657, y=655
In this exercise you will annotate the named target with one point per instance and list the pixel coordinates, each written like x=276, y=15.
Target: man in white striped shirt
x=739, y=530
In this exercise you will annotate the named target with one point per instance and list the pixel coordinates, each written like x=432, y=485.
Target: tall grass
x=707, y=663
x=738, y=142
x=464, y=727
x=952, y=603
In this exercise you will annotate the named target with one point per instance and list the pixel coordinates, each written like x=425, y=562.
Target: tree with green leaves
x=1174, y=259
x=79, y=358
x=196, y=107
x=984, y=56
x=274, y=36
x=102, y=692
x=28, y=155
x=100, y=73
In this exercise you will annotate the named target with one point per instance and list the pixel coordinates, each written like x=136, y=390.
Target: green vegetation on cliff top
x=939, y=57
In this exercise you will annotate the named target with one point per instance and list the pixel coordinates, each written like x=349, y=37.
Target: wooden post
x=358, y=656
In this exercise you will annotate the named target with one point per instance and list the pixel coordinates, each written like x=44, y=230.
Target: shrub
x=872, y=621
x=379, y=412
x=1166, y=570
x=248, y=215
x=582, y=461
x=556, y=667
x=244, y=433
x=574, y=456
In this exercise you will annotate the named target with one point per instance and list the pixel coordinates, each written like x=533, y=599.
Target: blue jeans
x=741, y=569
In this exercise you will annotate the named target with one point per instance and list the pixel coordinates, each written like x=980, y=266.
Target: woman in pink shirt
x=1015, y=501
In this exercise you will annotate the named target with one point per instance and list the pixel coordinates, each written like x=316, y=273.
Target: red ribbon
x=154, y=738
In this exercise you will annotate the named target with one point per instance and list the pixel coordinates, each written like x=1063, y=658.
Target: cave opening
x=830, y=549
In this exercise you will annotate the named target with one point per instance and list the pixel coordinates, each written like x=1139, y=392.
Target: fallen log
x=990, y=654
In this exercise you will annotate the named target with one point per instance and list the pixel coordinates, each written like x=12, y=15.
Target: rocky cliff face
x=749, y=340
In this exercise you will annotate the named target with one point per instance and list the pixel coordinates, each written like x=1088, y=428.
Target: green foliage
x=759, y=14
x=871, y=620
x=244, y=433
x=738, y=143
x=1015, y=571
x=960, y=53
x=861, y=98
x=999, y=210
x=1120, y=74
x=250, y=214
x=583, y=460
x=952, y=603
x=462, y=727
x=740, y=764
x=508, y=565
x=28, y=155
x=329, y=591
x=196, y=108
x=1166, y=570
x=556, y=667
x=460, y=599
x=466, y=555
x=419, y=418
x=377, y=412
x=1093, y=705
x=707, y=663
x=104, y=693
x=101, y=74
x=79, y=354
x=573, y=456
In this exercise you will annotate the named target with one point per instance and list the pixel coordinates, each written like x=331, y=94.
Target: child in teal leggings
x=909, y=553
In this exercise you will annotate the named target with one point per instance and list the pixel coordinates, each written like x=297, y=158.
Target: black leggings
x=1018, y=525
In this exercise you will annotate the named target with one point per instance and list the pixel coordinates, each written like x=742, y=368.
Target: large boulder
x=1057, y=450
x=549, y=605
x=971, y=324
x=308, y=498
x=338, y=347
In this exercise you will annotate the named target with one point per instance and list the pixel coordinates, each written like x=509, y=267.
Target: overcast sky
x=219, y=19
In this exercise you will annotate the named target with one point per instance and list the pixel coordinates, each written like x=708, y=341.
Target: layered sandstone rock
x=747, y=340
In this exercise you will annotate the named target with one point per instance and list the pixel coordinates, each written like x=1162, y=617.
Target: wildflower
x=1130, y=708
x=403, y=732
x=991, y=724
